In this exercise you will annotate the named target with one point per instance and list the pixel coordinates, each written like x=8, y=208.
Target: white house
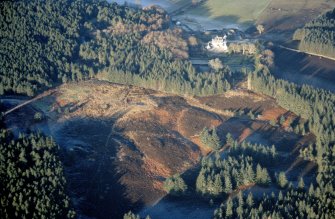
x=218, y=44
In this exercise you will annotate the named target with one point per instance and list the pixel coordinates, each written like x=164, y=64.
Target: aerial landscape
x=167, y=109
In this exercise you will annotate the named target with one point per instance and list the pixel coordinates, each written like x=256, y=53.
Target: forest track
x=308, y=53
x=40, y=96
x=179, y=123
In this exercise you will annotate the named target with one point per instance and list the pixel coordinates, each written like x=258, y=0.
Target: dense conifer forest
x=318, y=36
x=44, y=43
x=32, y=183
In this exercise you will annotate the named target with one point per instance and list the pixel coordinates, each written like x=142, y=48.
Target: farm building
x=218, y=44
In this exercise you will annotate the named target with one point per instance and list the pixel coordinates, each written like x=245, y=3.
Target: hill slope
x=121, y=142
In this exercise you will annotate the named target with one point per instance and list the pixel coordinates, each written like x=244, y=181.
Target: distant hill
x=318, y=36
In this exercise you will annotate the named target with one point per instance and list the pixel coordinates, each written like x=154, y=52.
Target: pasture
x=235, y=10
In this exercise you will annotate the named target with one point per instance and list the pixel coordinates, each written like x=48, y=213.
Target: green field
x=239, y=10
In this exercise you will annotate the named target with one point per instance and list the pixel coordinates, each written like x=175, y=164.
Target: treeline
x=318, y=36
x=131, y=60
x=46, y=42
x=316, y=106
x=265, y=155
x=40, y=40
x=262, y=154
x=32, y=183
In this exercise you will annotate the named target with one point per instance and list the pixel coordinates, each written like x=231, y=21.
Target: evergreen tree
x=229, y=208
x=281, y=120
x=211, y=140
x=131, y=215
x=311, y=190
x=240, y=207
x=262, y=176
x=216, y=144
x=227, y=183
x=301, y=184
x=280, y=196
x=201, y=185
x=218, y=185
x=282, y=180
x=250, y=200
x=229, y=139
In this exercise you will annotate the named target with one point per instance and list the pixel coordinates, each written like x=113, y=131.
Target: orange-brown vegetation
x=154, y=134
x=170, y=40
x=246, y=133
x=156, y=168
x=193, y=41
x=121, y=28
x=205, y=150
x=156, y=20
x=156, y=17
x=164, y=116
x=289, y=118
x=273, y=114
x=238, y=99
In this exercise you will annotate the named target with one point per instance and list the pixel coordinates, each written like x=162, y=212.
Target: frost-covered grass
x=239, y=10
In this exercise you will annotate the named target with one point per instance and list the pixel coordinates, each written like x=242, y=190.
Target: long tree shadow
x=304, y=69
